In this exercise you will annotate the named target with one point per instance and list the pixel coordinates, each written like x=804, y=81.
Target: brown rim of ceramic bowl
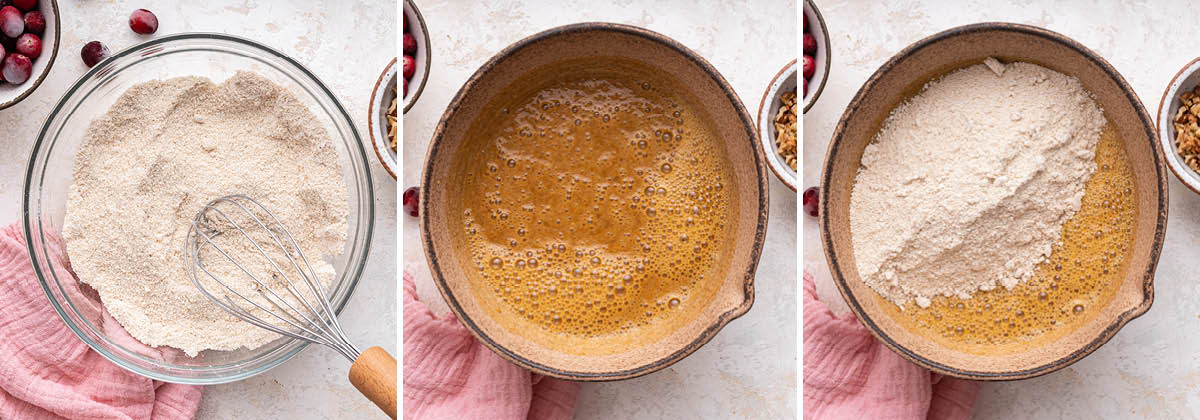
x=790, y=183
x=49, y=65
x=1162, y=104
x=1155, y=246
x=428, y=59
x=371, y=116
x=828, y=59
x=759, y=233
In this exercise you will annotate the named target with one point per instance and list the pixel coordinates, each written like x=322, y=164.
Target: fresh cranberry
x=810, y=66
x=25, y=5
x=12, y=23
x=143, y=21
x=405, y=88
x=29, y=45
x=410, y=66
x=3, y=52
x=411, y=197
x=810, y=44
x=810, y=201
x=35, y=23
x=17, y=68
x=410, y=44
x=93, y=52
x=805, y=88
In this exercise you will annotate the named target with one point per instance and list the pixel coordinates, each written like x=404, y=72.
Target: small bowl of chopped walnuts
x=1179, y=125
x=382, y=120
x=777, y=125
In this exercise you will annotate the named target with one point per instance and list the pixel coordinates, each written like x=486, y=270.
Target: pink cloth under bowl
x=848, y=374
x=449, y=375
x=46, y=372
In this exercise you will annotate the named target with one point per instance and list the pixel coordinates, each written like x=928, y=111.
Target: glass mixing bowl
x=50, y=171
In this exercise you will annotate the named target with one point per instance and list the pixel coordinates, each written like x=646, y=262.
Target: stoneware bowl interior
x=377, y=117
x=816, y=27
x=10, y=94
x=901, y=77
x=420, y=32
x=784, y=81
x=733, y=125
x=1184, y=81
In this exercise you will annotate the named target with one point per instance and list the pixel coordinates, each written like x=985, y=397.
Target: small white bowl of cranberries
x=414, y=66
x=815, y=64
x=28, y=45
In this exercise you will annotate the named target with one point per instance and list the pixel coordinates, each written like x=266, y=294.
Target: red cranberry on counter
x=143, y=21
x=410, y=199
x=93, y=52
x=810, y=201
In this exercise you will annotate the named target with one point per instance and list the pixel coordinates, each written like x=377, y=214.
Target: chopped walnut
x=1187, y=128
x=785, y=128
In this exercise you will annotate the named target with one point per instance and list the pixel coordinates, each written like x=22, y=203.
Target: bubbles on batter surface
x=606, y=219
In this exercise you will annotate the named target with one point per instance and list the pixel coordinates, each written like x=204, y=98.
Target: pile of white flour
x=968, y=184
x=162, y=151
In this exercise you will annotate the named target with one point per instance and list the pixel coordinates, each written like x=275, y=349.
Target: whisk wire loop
x=316, y=323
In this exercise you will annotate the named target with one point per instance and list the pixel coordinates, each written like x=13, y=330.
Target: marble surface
x=318, y=34
x=749, y=369
x=1150, y=369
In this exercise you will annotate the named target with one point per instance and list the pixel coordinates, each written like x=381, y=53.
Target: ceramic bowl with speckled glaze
x=901, y=77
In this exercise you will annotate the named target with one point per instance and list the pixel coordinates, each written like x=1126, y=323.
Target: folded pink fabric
x=450, y=375
x=46, y=372
x=848, y=374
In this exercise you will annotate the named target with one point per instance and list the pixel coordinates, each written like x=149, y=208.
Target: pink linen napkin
x=450, y=375
x=848, y=374
x=46, y=372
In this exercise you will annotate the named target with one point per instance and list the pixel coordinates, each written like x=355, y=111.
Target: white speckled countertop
x=749, y=369
x=347, y=46
x=1150, y=369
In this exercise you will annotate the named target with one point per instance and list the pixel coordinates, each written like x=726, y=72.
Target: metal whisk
x=291, y=302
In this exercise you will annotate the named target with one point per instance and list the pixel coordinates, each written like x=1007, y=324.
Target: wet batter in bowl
x=593, y=204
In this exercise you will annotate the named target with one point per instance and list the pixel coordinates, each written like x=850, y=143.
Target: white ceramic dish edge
x=1187, y=79
x=785, y=81
x=381, y=98
x=820, y=60
x=11, y=94
x=416, y=27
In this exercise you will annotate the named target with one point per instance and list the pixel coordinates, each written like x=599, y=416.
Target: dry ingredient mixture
x=1187, y=128
x=162, y=151
x=968, y=184
x=785, y=128
x=1072, y=287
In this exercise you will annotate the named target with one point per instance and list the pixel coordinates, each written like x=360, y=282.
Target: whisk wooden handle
x=374, y=374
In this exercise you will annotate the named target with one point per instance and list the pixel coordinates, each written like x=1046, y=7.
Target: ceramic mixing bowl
x=901, y=77
x=733, y=126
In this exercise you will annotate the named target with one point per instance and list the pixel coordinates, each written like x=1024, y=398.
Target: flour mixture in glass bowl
x=162, y=151
x=133, y=150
